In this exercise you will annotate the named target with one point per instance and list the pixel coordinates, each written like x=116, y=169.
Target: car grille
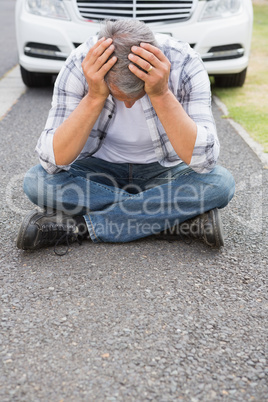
x=147, y=11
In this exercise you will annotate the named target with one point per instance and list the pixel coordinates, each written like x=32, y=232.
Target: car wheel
x=35, y=80
x=231, y=80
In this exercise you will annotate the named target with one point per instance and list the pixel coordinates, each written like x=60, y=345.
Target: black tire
x=231, y=80
x=35, y=80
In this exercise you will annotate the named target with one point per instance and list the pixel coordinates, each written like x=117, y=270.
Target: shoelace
x=65, y=239
x=63, y=233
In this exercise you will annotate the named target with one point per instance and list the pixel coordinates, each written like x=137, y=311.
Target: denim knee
x=225, y=184
x=30, y=183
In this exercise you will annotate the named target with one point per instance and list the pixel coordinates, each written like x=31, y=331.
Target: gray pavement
x=148, y=320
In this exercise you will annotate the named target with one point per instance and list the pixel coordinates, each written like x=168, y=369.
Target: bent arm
x=73, y=114
x=185, y=115
x=71, y=136
x=179, y=127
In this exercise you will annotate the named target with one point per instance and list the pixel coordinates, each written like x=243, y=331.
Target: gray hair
x=125, y=34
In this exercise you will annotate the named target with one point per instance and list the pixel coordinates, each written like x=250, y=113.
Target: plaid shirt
x=188, y=81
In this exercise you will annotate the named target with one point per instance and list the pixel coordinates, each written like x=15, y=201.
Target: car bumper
x=65, y=35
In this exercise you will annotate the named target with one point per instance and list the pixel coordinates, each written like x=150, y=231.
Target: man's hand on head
x=152, y=60
x=96, y=65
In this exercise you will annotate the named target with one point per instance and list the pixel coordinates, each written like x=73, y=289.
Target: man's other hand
x=95, y=66
x=152, y=60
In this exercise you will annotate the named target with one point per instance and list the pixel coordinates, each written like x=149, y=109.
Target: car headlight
x=47, y=8
x=220, y=9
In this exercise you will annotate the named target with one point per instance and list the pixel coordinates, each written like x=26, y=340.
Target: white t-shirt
x=128, y=139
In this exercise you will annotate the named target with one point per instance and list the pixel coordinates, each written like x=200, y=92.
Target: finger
x=98, y=49
x=107, y=66
x=95, y=64
x=139, y=73
x=153, y=49
x=94, y=47
x=145, y=55
x=145, y=65
x=104, y=57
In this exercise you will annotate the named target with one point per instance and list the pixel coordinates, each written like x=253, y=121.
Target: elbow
x=50, y=168
x=203, y=169
x=206, y=168
x=204, y=162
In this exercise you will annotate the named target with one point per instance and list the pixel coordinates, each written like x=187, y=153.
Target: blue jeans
x=125, y=202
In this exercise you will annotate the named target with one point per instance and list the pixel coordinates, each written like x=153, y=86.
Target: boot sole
x=217, y=224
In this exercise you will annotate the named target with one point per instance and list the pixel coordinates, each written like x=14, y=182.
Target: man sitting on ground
x=130, y=145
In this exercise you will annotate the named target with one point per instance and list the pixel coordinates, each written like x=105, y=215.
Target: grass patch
x=248, y=105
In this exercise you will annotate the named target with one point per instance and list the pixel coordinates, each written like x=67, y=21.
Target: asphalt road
x=148, y=320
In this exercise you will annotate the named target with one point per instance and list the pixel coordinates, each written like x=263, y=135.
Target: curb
x=255, y=146
x=11, y=88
